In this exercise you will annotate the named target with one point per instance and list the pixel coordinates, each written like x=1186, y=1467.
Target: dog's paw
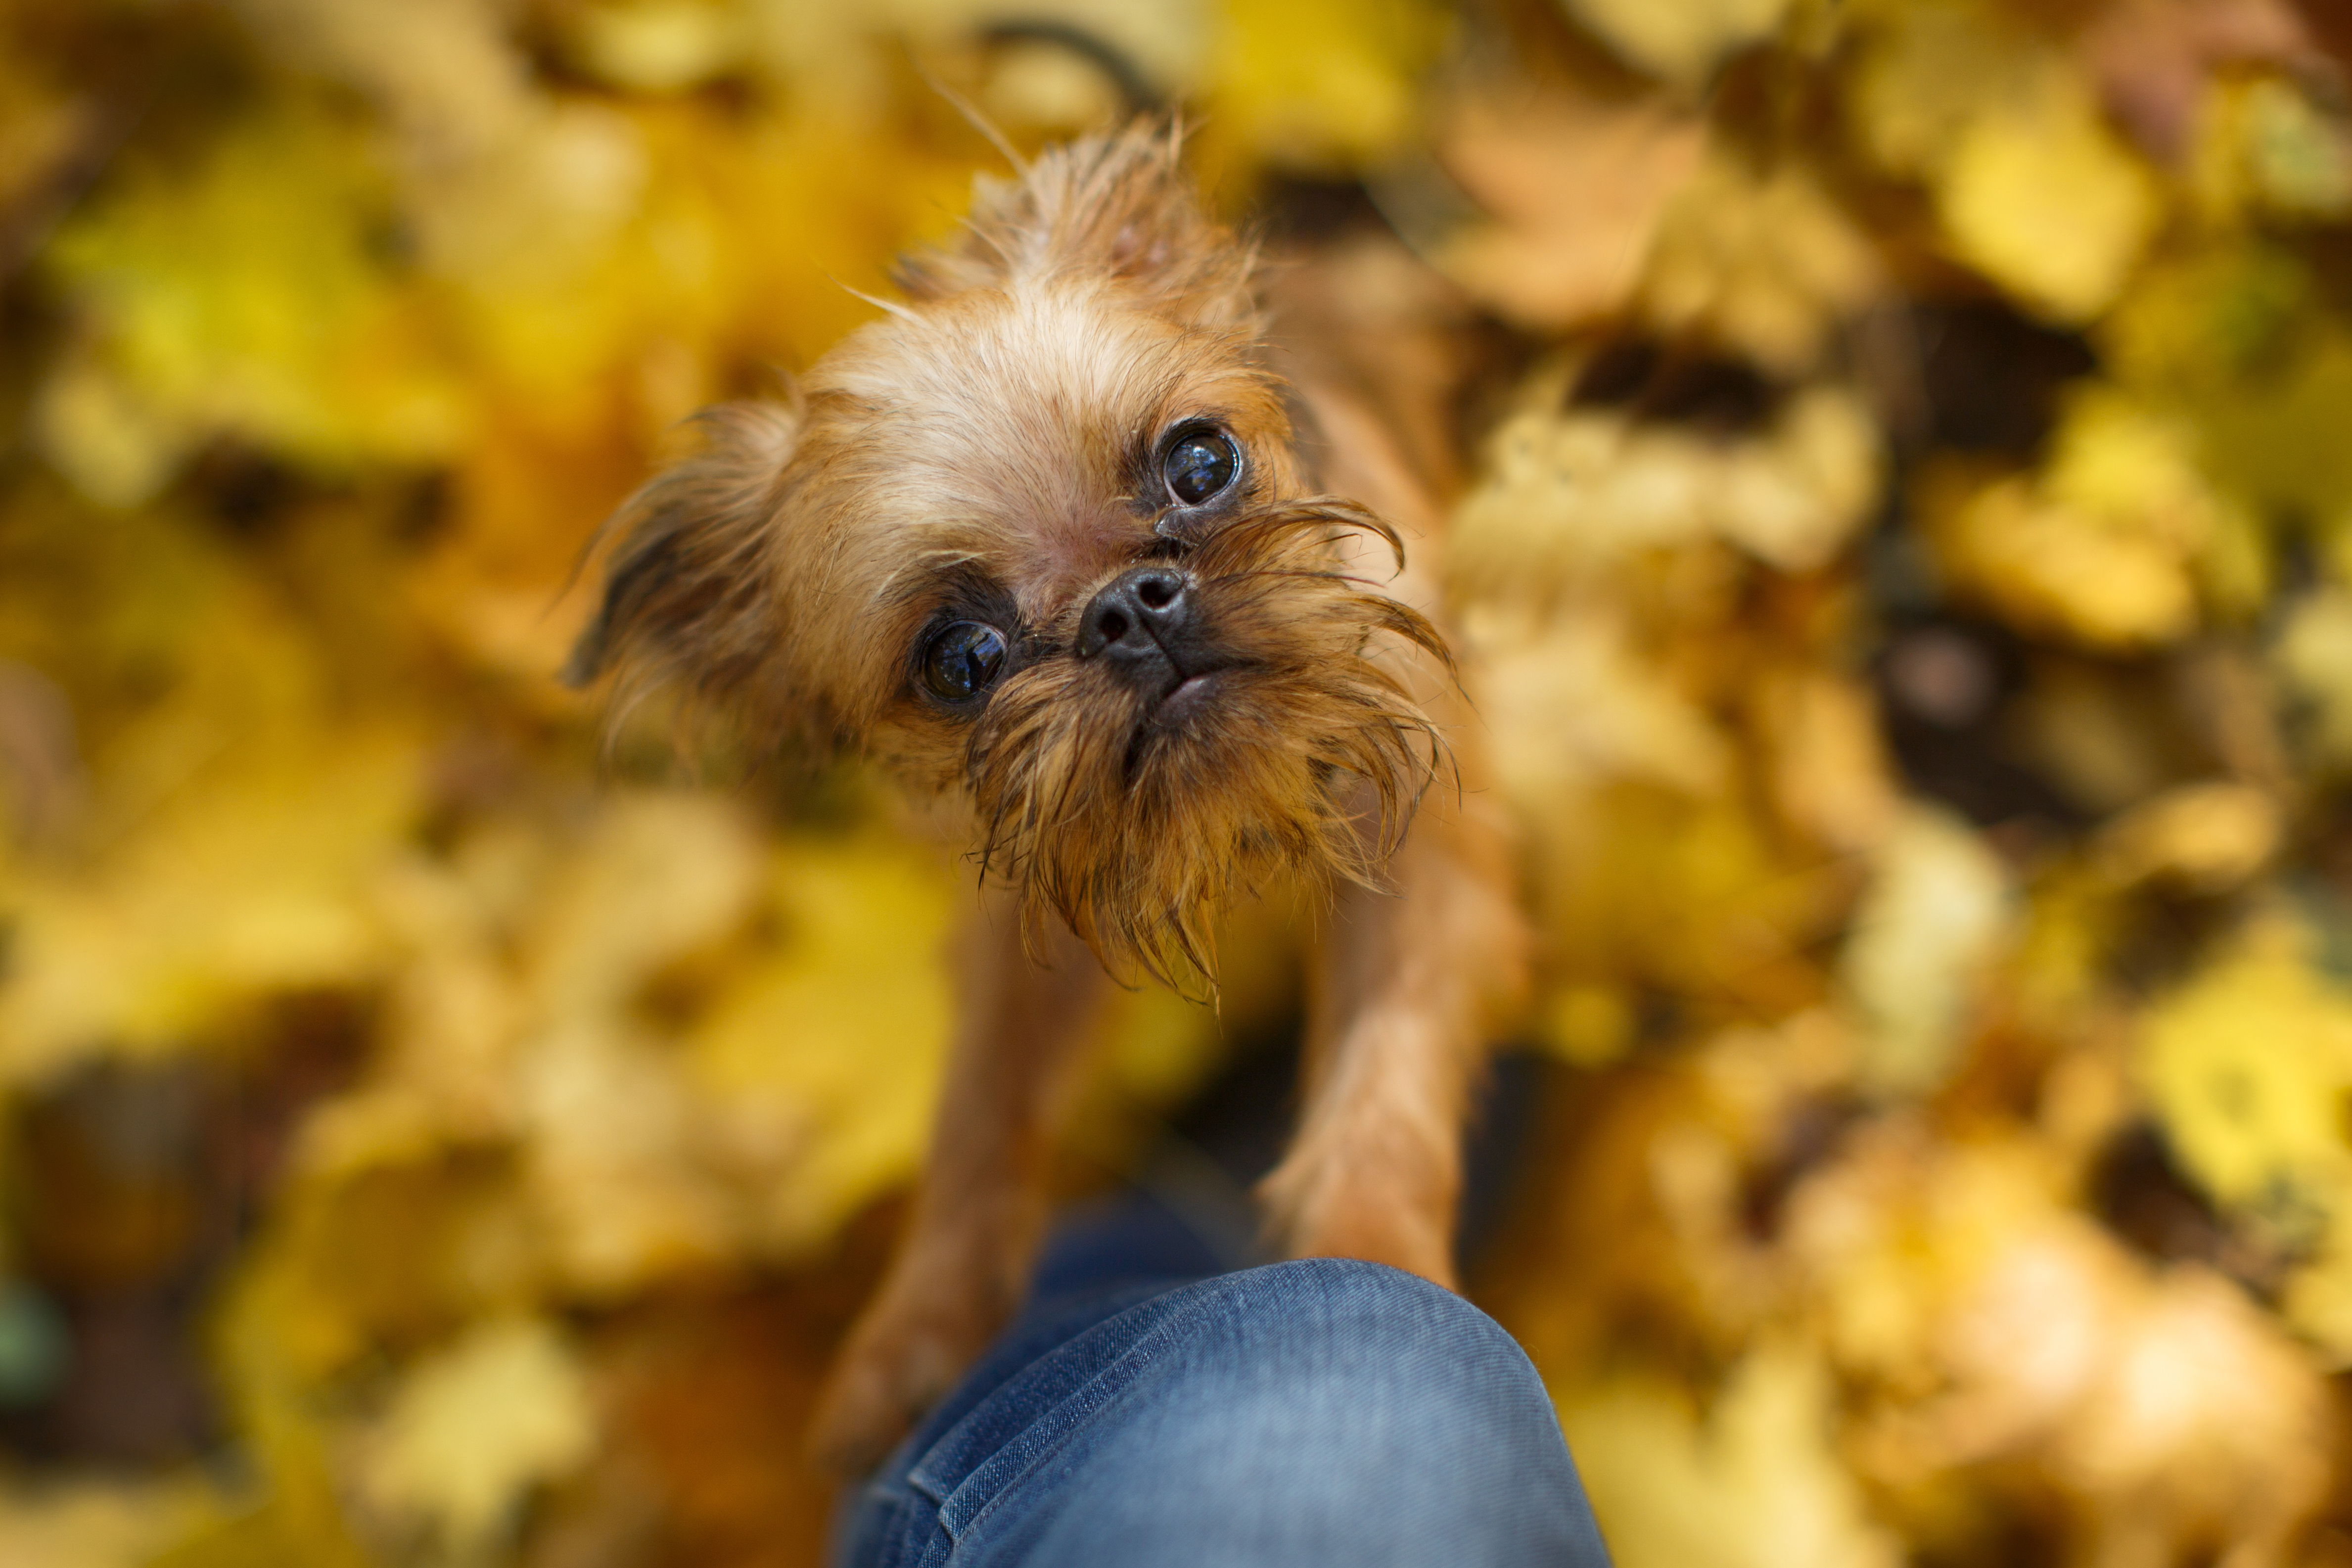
x=1422, y=1252
x=902, y=1356
x=1327, y=1212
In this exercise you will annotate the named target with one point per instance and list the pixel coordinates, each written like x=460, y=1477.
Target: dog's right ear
x=689, y=586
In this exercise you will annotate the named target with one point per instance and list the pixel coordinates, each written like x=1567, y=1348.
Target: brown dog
x=1098, y=538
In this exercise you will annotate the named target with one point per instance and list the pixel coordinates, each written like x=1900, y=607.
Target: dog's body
x=1066, y=538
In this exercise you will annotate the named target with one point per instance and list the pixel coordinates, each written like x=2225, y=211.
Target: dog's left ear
x=689, y=595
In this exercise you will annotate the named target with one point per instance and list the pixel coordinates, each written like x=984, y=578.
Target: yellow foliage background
x=1907, y=550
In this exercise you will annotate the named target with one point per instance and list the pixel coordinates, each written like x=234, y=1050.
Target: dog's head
x=1044, y=535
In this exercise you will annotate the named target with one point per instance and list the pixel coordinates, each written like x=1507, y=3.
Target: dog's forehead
x=1007, y=429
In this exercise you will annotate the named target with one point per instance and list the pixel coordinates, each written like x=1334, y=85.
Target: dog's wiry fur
x=986, y=452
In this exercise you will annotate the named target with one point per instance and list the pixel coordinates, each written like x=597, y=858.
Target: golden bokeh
x=1907, y=544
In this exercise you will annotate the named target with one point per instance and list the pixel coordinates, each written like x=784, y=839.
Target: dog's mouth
x=1169, y=713
x=1173, y=710
x=1182, y=700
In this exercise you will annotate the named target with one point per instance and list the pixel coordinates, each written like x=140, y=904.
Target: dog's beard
x=1305, y=755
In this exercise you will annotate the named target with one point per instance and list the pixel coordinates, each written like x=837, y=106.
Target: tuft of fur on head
x=1118, y=207
x=987, y=453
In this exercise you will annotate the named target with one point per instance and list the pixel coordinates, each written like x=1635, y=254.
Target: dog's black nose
x=1141, y=623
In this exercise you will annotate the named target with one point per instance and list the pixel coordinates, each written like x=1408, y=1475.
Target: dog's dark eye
x=962, y=660
x=1200, y=466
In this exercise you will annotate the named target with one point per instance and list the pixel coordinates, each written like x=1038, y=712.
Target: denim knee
x=1347, y=1299
x=1412, y=1360
x=1324, y=1411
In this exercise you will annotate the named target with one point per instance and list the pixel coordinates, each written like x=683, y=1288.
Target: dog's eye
x=1200, y=466
x=962, y=660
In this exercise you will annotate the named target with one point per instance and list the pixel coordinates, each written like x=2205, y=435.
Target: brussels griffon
x=1102, y=536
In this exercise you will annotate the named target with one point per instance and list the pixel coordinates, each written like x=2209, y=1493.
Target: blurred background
x=1906, y=535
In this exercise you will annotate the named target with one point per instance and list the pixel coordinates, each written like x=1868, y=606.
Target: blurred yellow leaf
x=1589, y=1026
x=100, y=1524
x=2031, y=186
x=2273, y=437
x=2051, y=567
x=1755, y=1484
x=659, y=46
x=473, y=1428
x=1937, y=911
x=2248, y=1066
x=1320, y=84
x=1568, y=497
x=2265, y=142
x=2206, y=838
x=1628, y=722
x=658, y=877
x=1692, y=896
x=2211, y=314
x=254, y=879
x=1928, y=70
x=1573, y=188
x=848, y=1027
x=1828, y=772
x=1761, y=262
x=1680, y=43
x=2313, y=652
x=2106, y=544
x=248, y=298
x=2048, y=202
x=445, y=73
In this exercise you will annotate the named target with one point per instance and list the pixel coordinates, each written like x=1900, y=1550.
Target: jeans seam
x=921, y=1474
x=1088, y=1400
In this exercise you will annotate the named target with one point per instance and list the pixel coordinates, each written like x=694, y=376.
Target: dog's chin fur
x=1299, y=756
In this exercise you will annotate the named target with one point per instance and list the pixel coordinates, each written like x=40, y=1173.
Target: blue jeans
x=1317, y=1411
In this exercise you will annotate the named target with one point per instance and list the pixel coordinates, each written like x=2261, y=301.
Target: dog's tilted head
x=1044, y=535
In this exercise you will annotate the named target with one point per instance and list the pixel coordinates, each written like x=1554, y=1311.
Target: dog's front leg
x=1405, y=987
x=980, y=1208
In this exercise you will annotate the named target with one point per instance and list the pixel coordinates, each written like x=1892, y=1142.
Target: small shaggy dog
x=1104, y=534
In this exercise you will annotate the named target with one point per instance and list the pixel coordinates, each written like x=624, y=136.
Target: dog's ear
x=1118, y=205
x=689, y=596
